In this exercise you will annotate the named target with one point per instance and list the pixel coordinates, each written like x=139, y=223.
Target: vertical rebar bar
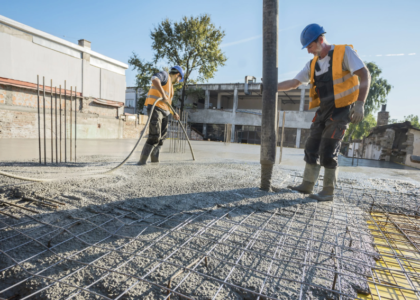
x=71, y=120
x=45, y=130
x=56, y=127
x=65, y=121
x=52, y=126
x=61, y=112
x=75, y=122
x=39, y=119
x=282, y=136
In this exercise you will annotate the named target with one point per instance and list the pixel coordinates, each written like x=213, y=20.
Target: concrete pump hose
x=141, y=136
x=24, y=178
x=121, y=164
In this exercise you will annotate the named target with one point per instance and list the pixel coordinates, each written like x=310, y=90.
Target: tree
x=378, y=91
x=414, y=120
x=193, y=43
x=359, y=130
x=145, y=71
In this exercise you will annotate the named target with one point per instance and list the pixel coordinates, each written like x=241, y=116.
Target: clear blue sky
x=385, y=32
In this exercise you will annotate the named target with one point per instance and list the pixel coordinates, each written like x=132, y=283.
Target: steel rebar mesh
x=306, y=250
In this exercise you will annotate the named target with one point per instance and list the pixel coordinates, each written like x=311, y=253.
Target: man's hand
x=176, y=116
x=357, y=112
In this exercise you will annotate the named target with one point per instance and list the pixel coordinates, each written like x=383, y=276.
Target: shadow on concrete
x=201, y=207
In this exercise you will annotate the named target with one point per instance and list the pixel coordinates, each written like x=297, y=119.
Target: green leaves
x=192, y=43
x=359, y=130
x=145, y=71
x=378, y=91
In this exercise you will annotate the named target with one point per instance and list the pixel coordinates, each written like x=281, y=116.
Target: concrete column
x=235, y=107
x=302, y=99
x=85, y=68
x=205, y=131
x=298, y=133
x=219, y=100
x=207, y=100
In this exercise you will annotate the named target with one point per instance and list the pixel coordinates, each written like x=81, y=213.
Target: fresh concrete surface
x=27, y=149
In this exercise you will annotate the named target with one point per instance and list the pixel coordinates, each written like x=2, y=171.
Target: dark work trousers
x=158, y=127
x=327, y=131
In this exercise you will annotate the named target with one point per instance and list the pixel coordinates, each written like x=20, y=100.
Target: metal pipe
x=71, y=125
x=56, y=127
x=65, y=122
x=45, y=130
x=39, y=120
x=61, y=112
x=75, y=122
x=282, y=136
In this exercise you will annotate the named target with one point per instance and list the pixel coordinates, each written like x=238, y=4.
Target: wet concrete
x=292, y=159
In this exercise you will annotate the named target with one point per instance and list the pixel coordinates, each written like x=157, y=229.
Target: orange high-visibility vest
x=346, y=85
x=154, y=94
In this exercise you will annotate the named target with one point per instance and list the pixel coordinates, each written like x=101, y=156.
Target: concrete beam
x=207, y=100
x=294, y=119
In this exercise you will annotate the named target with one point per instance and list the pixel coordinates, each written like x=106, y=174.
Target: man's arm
x=358, y=111
x=157, y=84
x=288, y=85
x=364, y=77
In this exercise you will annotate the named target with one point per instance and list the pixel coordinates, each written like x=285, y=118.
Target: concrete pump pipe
x=119, y=165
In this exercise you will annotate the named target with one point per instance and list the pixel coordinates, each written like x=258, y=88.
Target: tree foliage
x=414, y=120
x=359, y=130
x=145, y=71
x=378, y=91
x=194, y=44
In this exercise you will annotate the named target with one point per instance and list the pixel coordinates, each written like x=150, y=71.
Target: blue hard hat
x=310, y=34
x=179, y=70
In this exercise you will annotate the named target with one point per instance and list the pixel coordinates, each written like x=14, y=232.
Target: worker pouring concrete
x=339, y=84
x=162, y=87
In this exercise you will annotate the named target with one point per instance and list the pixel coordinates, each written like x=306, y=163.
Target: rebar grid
x=324, y=250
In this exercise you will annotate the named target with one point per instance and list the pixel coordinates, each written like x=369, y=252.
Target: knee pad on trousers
x=329, y=153
x=312, y=150
x=152, y=140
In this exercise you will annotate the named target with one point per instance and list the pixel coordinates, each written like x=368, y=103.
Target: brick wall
x=19, y=117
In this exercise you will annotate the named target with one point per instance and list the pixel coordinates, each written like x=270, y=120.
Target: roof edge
x=33, y=31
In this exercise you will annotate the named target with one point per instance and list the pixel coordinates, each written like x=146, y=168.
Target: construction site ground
x=203, y=229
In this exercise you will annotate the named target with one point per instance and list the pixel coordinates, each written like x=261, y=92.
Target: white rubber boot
x=310, y=176
x=327, y=193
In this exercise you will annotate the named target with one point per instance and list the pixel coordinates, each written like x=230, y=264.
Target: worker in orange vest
x=162, y=87
x=339, y=84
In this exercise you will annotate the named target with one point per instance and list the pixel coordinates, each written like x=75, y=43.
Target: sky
x=385, y=32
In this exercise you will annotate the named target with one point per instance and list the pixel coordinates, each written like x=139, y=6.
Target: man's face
x=176, y=78
x=315, y=48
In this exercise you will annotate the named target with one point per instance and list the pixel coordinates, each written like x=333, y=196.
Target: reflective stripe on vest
x=346, y=85
x=154, y=94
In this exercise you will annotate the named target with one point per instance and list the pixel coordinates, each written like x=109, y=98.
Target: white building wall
x=26, y=52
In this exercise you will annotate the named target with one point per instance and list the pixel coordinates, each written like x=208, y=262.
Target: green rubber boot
x=145, y=154
x=310, y=176
x=155, y=154
x=327, y=193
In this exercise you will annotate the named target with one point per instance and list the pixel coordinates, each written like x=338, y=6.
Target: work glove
x=357, y=112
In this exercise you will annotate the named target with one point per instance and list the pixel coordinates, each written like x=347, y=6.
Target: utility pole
x=269, y=96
